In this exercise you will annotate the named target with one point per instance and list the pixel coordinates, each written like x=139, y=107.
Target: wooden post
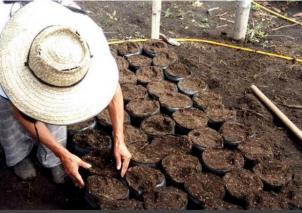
x=241, y=20
x=156, y=11
x=288, y=123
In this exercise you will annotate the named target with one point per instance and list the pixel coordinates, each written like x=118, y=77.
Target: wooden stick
x=156, y=11
x=288, y=123
x=242, y=18
x=292, y=106
x=285, y=26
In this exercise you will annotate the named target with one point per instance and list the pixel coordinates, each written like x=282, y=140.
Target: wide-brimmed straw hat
x=55, y=65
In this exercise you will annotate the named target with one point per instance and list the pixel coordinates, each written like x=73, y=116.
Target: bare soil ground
x=228, y=72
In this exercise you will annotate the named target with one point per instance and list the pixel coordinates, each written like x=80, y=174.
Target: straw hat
x=55, y=65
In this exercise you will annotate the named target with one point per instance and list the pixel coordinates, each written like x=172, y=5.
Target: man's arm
x=70, y=162
x=116, y=111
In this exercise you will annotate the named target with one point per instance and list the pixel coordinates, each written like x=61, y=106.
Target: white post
x=242, y=19
x=156, y=10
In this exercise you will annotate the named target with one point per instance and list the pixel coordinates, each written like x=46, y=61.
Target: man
x=55, y=69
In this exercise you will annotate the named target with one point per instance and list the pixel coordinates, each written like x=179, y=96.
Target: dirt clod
x=204, y=187
x=154, y=47
x=256, y=150
x=143, y=179
x=133, y=134
x=178, y=167
x=204, y=99
x=137, y=61
x=159, y=88
x=158, y=125
x=221, y=161
x=204, y=138
x=192, y=85
x=132, y=91
x=190, y=118
x=174, y=101
x=233, y=133
x=148, y=74
x=177, y=71
x=241, y=183
x=129, y=48
x=141, y=108
x=168, y=198
x=164, y=59
x=127, y=77
x=273, y=172
x=106, y=188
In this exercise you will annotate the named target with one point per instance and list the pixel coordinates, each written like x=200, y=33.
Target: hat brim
x=60, y=106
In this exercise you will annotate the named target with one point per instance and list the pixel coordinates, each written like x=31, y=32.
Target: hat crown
x=59, y=56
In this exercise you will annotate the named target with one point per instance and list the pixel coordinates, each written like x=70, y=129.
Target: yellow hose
x=276, y=14
x=229, y=45
x=195, y=40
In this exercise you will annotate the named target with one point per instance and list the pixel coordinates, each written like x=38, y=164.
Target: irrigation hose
x=195, y=40
x=276, y=14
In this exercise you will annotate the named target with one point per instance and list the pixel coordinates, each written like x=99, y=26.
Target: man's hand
x=122, y=155
x=71, y=164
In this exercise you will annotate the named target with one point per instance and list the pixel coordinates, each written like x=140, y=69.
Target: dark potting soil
x=168, y=198
x=132, y=91
x=164, y=59
x=103, y=164
x=137, y=61
x=143, y=108
x=127, y=77
x=275, y=173
x=143, y=179
x=174, y=101
x=88, y=124
x=104, y=119
x=205, y=187
x=159, y=148
x=222, y=160
x=218, y=204
x=178, y=167
x=159, y=88
x=266, y=200
x=133, y=134
x=129, y=48
x=241, y=183
x=178, y=70
x=220, y=114
x=144, y=153
x=170, y=144
x=233, y=132
x=106, y=188
x=147, y=74
x=128, y=204
x=158, y=125
x=206, y=98
x=256, y=150
x=190, y=118
x=122, y=63
x=153, y=47
x=292, y=192
x=204, y=138
x=192, y=85
x=96, y=139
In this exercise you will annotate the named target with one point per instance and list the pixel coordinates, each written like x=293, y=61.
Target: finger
x=85, y=165
x=79, y=179
x=74, y=181
x=118, y=161
x=126, y=162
